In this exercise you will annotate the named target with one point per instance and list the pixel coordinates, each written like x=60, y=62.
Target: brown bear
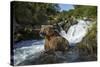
x=53, y=41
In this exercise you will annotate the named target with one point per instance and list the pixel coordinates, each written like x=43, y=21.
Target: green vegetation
x=28, y=16
x=85, y=11
x=80, y=11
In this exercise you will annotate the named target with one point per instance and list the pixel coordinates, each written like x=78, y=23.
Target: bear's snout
x=42, y=34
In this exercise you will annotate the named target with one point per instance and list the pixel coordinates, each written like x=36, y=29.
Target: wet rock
x=67, y=23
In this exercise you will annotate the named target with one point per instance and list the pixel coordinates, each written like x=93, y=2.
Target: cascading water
x=76, y=32
x=24, y=49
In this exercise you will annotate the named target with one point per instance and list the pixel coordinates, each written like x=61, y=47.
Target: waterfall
x=76, y=32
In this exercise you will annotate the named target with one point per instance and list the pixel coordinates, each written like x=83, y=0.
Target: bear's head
x=47, y=30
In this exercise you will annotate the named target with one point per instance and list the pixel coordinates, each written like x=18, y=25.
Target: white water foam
x=76, y=32
x=20, y=54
